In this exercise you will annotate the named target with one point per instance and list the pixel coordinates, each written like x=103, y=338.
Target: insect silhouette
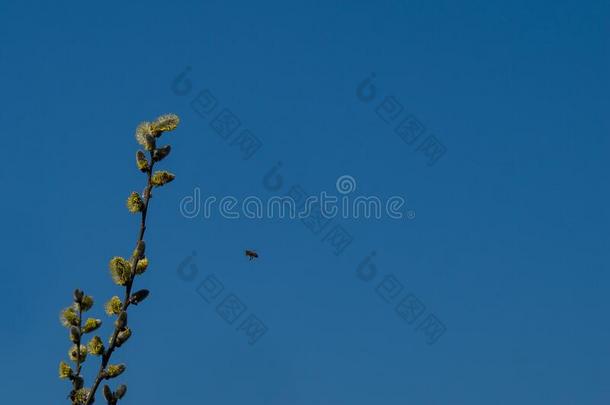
x=251, y=254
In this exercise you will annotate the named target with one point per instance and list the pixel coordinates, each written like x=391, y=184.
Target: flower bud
x=65, y=371
x=81, y=395
x=120, y=391
x=78, y=295
x=95, y=346
x=142, y=266
x=114, y=370
x=135, y=203
x=141, y=161
x=69, y=317
x=74, y=334
x=86, y=303
x=114, y=306
x=73, y=353
x=138, y=296
x=160, y=178
x=163, y=123
x=91, y=324
x=78, y=382
x=122, y=336
x=121, y=321
x=144, y=136
x=161, y=153
x=120, y=270
x=108, y=394
x=138, y=252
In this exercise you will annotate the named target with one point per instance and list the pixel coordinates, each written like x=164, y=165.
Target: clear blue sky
x=509, y=247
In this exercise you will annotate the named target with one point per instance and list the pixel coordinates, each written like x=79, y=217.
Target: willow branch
x=78, y=343
x=128, y=286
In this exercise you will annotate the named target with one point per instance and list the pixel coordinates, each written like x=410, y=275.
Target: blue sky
x=509, y=247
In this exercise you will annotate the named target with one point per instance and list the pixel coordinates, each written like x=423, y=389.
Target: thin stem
x=126, y=302
x=80, y=319
x=79, y=311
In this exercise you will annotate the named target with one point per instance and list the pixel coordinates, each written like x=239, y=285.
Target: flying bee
x=251, y=255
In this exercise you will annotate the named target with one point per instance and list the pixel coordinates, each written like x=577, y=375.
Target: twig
x=126, y=302
x=78, y=342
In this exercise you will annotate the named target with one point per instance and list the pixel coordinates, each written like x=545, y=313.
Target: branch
x=80, y=335
x=126, y=302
